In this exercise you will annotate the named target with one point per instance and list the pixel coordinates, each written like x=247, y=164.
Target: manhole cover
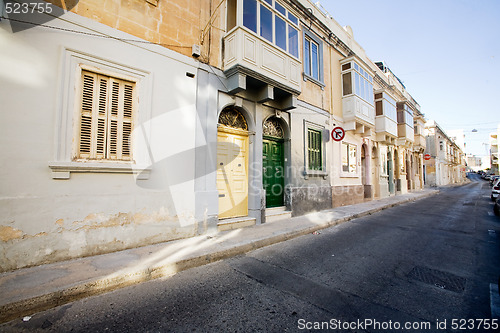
x=469, y=203
x=439, y=279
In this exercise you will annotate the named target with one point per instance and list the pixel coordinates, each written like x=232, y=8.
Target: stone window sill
x=63, y=170
x=316, y=173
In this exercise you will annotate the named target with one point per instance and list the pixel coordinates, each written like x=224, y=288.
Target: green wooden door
x=274, y=172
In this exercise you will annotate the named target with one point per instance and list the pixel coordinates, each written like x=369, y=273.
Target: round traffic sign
x=427, y=157
x=338, y=134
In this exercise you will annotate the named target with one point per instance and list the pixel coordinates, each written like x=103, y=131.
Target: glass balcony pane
x=293, y=18
x=280, y=8
x=266, y=23
x=293, y=41
x=280, y=32
x=250, y=14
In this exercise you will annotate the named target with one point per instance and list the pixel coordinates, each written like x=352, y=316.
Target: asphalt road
x=427, y=264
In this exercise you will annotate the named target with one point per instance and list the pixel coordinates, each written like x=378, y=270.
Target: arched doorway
x=273, y=162
x=365, y=171
x=409, y=176
x=375, y=172
x=397, y=171
x=390, y=172
x=232, y=163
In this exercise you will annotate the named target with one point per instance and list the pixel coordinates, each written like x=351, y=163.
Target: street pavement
x=426, y=262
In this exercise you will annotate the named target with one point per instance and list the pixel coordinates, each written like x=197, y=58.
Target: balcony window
x=280, y=28
x=275, y=23
x=266, y=23
x=405, y=114
x=385, y=106
x=361, y=85
x=250, y=14
x=293, y=41
x=280, y=8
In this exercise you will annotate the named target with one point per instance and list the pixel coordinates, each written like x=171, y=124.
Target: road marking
x=490, y=214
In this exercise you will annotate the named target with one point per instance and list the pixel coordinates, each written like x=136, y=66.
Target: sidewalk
x=30, y=290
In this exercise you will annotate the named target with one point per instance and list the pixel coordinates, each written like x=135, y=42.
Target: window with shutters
x=106, y=115
x=314, y=149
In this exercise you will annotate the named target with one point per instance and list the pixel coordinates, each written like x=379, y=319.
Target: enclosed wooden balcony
x=357, y=97
x=261, y=52
x=386, y=126
x=406, y=134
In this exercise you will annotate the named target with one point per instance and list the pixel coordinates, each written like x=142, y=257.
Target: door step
x=235, y=223
x=277, y=214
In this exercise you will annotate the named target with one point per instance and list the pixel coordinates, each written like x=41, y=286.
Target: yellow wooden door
x=232, y=174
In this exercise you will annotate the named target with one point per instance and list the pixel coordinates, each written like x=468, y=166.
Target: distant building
x=494, y=150
x=446, y=164
x=474, y=163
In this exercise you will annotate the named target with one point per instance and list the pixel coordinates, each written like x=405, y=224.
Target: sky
x=446, y=52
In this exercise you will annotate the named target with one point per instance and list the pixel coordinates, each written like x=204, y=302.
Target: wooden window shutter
x=89, y=81
x=114, y=120
x=101, y=118
x=106, y=118
x=128, y=106
x=314, y=148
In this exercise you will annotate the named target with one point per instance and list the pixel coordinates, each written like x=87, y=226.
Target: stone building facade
x=144, y=121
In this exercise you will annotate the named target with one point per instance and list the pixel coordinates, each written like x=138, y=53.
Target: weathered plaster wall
x=44, y=219
x=175, y=24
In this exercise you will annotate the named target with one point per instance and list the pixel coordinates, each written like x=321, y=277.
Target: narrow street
x=427, y=264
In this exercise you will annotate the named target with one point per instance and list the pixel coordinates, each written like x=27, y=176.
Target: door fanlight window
x=232, y=117
x=272, y=127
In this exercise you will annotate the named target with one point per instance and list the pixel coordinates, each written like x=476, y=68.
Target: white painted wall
x=44, y=219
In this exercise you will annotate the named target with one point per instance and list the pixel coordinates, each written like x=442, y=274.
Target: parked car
x=495, y=191
x=496, y=208
x=493, y=180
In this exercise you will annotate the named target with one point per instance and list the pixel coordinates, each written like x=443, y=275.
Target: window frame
x=109, y=117
x=270, y=5
x=308, y=171
x=349, y=146
x=67, y=117
x=361, y=79
x=309, y=37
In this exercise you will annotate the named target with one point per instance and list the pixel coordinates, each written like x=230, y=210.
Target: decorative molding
x=62, y=170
